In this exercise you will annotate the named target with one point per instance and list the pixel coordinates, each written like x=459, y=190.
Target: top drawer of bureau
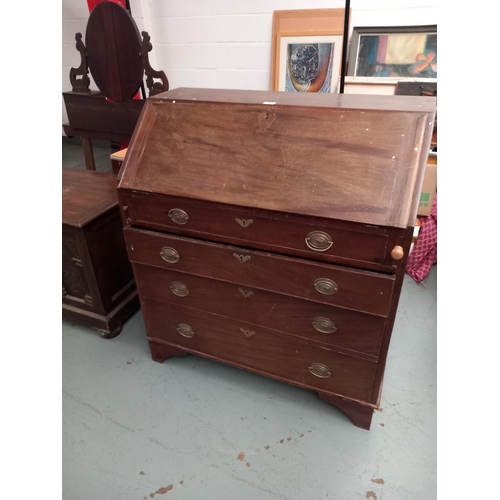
x=363, y=291
x=319, y=239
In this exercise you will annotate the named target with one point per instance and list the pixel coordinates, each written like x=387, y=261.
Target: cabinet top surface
x=357, y=158
x=86, y=195
x=322, y=100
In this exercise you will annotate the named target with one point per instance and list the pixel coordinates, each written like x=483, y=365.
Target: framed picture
x=295, y=30
x=394, y=52
x=309, y=63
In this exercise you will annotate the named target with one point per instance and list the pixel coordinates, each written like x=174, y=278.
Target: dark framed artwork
x=398, y=52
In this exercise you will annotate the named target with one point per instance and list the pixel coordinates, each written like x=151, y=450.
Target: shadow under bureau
x=269, y=231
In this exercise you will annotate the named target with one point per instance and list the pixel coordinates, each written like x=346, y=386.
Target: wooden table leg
x=115, y=165
x=89, y=154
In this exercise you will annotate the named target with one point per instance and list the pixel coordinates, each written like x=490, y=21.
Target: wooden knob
x=397, y=252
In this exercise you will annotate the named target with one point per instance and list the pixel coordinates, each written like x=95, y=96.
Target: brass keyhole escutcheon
x=241, y=258
x=319, y=241
x=247, y=333
x=178, y=216
x=170, y=255
x=245, y=293
x=244, y=222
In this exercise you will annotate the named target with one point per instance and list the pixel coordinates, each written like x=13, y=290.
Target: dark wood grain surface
x=94, y=116
x=285, y=158
x=277, y=232
x=114, y=51
x=405, y=243
x=262, y=351
x=98, y=287
x=360, y=414
x=86, y=195
x=354, y=331
x=220, y=192
x=345, y=101
x=287, y=275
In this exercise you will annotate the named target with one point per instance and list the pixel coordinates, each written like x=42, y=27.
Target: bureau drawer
x=262, y=351
x=333, y=285
x=281, y=233
x=328, y=325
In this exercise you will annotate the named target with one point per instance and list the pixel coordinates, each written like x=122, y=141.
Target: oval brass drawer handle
x=320, y=370
x=170, y=255
x=326, y=286
x=241, y=258
x=185, y=330
x=323, y=325
x=244, y=222
x=178, y=216
x=178, y=288
x=319, y=241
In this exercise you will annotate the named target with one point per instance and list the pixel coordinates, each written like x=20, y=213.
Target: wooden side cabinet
x=98, y=287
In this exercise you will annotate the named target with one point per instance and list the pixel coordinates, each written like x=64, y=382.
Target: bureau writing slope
x=270, y=231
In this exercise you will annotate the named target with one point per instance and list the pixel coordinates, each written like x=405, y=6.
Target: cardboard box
x=429, y=187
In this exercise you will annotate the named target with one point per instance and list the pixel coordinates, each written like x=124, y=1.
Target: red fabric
x=424, y=253
x=92, y=3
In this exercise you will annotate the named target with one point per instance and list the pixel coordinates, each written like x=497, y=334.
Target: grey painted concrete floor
x=192, y=429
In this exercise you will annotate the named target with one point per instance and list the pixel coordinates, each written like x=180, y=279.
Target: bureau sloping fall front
x=269, y=231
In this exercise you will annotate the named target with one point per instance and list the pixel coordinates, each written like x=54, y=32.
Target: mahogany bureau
x=98, y=287
x=270, y=231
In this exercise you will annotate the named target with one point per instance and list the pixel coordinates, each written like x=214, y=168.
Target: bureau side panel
x=405, y=242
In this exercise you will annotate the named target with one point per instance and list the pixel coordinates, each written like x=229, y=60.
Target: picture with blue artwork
x=309, y=63
x=309, y=67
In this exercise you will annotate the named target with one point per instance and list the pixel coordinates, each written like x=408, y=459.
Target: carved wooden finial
x=80, y=85
x=154, y=87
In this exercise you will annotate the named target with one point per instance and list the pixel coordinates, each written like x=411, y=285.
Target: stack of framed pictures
x=307, y=54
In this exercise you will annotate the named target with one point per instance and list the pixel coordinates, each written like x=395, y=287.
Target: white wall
x=226, y=43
